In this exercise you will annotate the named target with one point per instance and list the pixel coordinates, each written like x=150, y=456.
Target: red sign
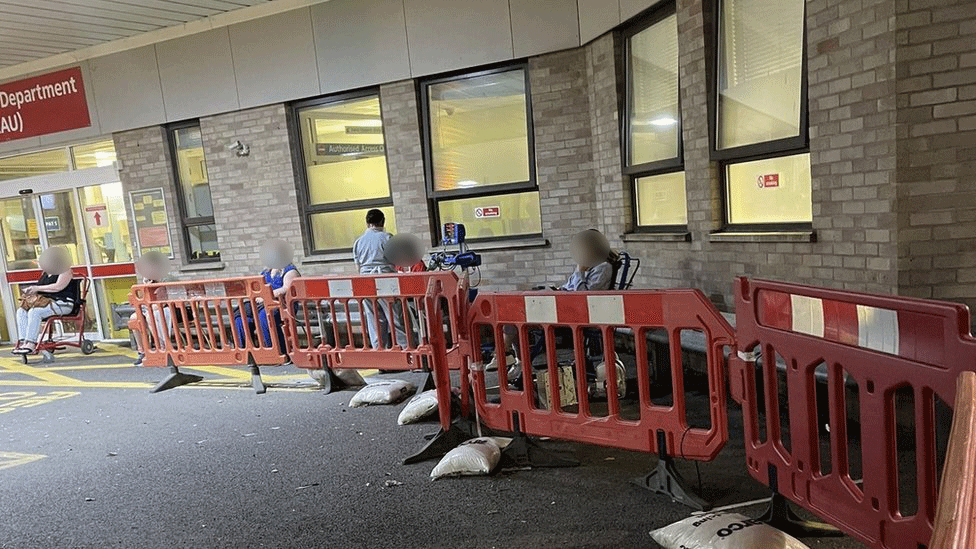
x=151, y=237
x=489, y=211
x=49, y=103
x=769, y=180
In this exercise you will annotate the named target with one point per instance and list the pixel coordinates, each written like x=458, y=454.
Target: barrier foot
x=256, y=380
x=176, y=378
x=443, y=442
x=666, y=480
x=524, y=452
x=781, y=516
x=428, y=383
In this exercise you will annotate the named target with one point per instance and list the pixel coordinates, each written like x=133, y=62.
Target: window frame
x=434, y=197
x=657, y=167
x=305, y=208
x=787, y=146
x=187, y=222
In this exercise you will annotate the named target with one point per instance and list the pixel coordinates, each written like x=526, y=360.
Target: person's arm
x=61, y=283
x=286, y=281
x=599, y=277
x=575, y=279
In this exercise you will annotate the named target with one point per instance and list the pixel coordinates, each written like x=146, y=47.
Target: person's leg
x=279, y=332
x=398, y=323
x=34, y=317
x=372, y=323
x=21, y=325
x=383, y=319
x=136, y=333
x=265, y=329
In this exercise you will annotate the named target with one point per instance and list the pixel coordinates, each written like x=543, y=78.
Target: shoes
x=138, y=361
x=24, y=350
x=17, y=347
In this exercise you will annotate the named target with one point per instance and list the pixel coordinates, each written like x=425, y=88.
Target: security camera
x=240, y=149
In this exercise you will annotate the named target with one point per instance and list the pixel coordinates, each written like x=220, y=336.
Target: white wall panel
x=197, y=75
x=274, y=58
x=540, y=26
x=630, y=8
x=452, y=34
x=360, y=43
x=597, y=17
x=127, y=90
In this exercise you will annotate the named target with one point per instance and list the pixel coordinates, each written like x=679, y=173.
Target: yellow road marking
x=113, y=349
x=88, y=367
x=28, y=399
x=13, y=459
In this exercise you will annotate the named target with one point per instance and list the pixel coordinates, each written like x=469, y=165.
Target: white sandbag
x=418, y=407
x=724, y=531
x=478, y=456
x=382, y=392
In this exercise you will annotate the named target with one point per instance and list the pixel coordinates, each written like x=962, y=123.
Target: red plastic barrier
x=329, y=325
x=884, y=344
x=192, y=323
x=599, y=314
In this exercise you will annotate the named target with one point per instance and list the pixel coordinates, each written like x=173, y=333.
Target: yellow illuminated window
x=661, y=200
x=94, y=155
x=479, y=131
x=339, y=229
x=760, y=67
x=775, y=190
x=653, y=93
x=196, y=212
x=344, y=157
x=113, y=295
x=38, y=163
x=495, y=216
x=106, y=223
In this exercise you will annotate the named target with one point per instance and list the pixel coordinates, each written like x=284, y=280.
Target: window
x=93, y=155
x=344, y=168
x=193, y=193
x=480, y=153
x=761, y=127
x=652, y=125
x=37, y=163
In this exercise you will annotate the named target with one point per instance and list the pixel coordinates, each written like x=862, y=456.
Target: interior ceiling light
x=467, y=184
x=664, y=121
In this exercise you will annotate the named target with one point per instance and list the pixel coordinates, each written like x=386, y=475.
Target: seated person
x=152, y=267
x=279, y=272
x=54, y=294
x=594, y=272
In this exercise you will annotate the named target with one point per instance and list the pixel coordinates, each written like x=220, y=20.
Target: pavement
x=89, y=458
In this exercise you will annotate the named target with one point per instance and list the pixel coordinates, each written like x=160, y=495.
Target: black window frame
x=434, y=197
x=787, y=146
x=187, y=222
x=658, y=167
x=306, y=210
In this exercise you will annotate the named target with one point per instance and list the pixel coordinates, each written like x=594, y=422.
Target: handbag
x=30, y=301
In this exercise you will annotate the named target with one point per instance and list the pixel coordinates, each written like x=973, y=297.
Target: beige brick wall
x=892, y=106
x=936, y=97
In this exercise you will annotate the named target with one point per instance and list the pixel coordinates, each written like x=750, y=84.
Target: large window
x=193, y=191
x=344, y=167
x=480, y=154
x=652, y=125
x=761, y=125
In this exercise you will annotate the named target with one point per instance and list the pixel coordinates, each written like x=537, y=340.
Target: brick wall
x=936, y=91
x=892, y=108
x=144, y=161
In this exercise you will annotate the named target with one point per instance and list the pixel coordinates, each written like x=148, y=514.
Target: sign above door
x=45, y=104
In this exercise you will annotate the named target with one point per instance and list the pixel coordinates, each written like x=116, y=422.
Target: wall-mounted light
x=664, y=121
x=467, y=184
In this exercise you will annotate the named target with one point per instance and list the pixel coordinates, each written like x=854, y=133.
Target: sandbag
x=382, y=392
x=478, y=456
x=724, y=531
x=418, y=407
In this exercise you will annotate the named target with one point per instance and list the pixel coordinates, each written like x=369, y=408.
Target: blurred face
x=55, y=260
x=277, y=254
x=153, y=266
x=589, y=249
x=404, y=250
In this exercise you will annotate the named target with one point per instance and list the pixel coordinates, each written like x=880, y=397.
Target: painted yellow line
x=113, y=349
x=88, y=367
x=77, y=384
x=13, y=459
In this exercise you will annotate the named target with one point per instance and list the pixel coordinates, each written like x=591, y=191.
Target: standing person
x=279, y=273
x=56, y=293
x=369, y=253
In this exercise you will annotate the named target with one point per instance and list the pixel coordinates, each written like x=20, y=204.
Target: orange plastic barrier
x=657, y=428
x=331, y=322
x=193, y=324
x=955, y=516
x=893, y=349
